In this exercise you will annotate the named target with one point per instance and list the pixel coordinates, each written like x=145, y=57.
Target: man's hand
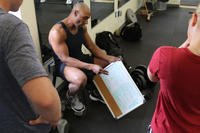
x=40, y=120
x=111, y=58
x=97, y=69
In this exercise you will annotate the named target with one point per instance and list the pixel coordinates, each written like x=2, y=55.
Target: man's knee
x=80, y=80
x=75, y=76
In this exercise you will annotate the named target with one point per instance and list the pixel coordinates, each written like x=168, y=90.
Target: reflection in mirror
x=100, y=10
x=47, y=14
x=121, y=3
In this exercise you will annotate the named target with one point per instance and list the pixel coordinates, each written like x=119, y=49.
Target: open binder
x=118, y=90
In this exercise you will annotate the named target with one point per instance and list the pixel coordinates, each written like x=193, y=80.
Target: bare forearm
x=101, y=54
x=51, y=111
x=44, y=98
x=72, y=62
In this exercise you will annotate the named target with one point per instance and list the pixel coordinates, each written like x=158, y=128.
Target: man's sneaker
x=95, y=96
x=77, y=106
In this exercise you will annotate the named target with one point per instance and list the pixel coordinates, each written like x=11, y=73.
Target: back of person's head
x=10, y=5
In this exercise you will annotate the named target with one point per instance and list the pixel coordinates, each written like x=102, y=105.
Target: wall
x=111, y=23
x=28, y=16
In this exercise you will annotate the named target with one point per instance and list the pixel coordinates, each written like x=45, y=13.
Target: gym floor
x=165, y=28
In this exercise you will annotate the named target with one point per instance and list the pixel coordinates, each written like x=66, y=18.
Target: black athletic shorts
x=85, y=58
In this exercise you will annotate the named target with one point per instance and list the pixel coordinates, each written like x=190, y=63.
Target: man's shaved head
x=81, y=14
x=82, y=7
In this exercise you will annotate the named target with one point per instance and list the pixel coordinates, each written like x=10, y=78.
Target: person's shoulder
x=9, y=20
x=167, y=48
x=57, y=32
x=57, y=29
x=166, y=51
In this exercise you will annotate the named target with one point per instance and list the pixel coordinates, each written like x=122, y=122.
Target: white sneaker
x=95, y=96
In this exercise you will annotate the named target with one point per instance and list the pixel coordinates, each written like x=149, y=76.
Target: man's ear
x=76, y=13
x=194, y=19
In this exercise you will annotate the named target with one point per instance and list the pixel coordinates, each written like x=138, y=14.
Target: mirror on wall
x=121, y=3
x=49, y=13
x=100, y=9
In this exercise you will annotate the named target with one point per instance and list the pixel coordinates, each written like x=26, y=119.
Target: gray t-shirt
x=18, y=64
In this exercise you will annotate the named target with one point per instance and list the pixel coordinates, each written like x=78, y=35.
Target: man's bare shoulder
x=57, y=30
x=57, y=35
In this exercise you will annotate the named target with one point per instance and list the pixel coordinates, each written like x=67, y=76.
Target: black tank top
x=74, y=42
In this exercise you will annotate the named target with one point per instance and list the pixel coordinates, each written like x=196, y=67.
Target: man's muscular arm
x=57, y=37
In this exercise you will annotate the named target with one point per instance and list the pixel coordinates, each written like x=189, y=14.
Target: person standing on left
x=28, y=101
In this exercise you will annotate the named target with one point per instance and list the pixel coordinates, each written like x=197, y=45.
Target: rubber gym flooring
x=165, y=28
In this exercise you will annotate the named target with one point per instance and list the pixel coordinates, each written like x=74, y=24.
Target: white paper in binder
x=118, y=90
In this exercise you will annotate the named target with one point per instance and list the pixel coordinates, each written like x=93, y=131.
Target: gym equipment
x=142, y=67
x=144, y=81
x=130, y=16
x=130, y=30
x=161, y=5
x=150, y=84
x=135, y=78
x=139, y=75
